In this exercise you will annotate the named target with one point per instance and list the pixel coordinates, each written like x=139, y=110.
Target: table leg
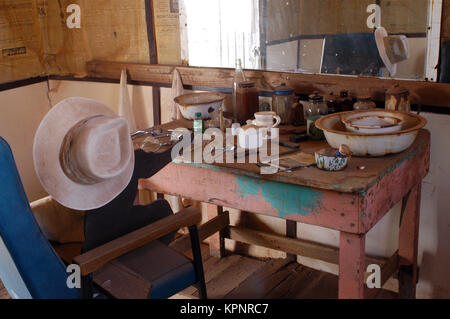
x=291, y=232
x=408, y=243
x=351, y=266
x=216, y=241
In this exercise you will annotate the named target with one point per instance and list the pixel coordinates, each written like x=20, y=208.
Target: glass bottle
x=247, y=101
x=198, y=124
x=332, y=103
x=238, y=77
x=298, y=117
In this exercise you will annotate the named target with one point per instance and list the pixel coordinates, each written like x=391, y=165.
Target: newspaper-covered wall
x=36, y=40
x=167, y=29
x=21, y=43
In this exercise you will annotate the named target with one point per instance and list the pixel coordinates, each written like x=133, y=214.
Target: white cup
x=266, y=119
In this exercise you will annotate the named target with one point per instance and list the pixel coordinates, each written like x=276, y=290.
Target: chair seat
x=152, y=271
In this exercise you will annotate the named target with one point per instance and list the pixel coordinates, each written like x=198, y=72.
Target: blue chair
x=30, y=268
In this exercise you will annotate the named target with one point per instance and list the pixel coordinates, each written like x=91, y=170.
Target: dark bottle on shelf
x=332, y=103
x=345, y=102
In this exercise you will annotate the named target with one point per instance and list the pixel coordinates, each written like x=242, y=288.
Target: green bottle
x=198, y=123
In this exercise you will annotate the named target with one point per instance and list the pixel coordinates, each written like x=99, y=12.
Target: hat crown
x=96, y=149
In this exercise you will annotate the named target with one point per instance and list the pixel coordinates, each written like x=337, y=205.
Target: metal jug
x=398, y=98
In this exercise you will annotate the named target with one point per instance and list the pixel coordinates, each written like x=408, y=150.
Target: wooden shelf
x=431, y=93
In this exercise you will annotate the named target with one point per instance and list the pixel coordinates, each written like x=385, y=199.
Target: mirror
x=315, y=36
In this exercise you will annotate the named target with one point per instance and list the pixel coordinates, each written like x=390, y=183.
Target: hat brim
x=46, y=151
x=380, y=34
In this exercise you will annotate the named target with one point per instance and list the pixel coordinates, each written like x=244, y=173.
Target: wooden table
x=352, y=202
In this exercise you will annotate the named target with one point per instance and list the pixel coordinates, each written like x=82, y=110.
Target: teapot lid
x=283, y=90
x=247, y=129
x=397, y=89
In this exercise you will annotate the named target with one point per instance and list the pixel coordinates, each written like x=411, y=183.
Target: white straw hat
x=392, y=49
x=83, y=154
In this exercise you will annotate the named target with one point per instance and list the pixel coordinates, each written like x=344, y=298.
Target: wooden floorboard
x=262, y=281
x=215, y=267
x=231, y=277
x=241, y=277
x=300, y=279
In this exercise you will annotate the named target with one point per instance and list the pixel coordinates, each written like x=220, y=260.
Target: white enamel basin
x=372, y=145
x=204, y=103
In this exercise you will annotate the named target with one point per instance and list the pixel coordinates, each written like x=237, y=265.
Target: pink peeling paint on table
x=224, y=189
x=336, y=205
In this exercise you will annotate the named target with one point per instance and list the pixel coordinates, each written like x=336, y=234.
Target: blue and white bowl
x=330, y=159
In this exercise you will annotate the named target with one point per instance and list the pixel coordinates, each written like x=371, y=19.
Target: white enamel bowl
x=371, y=145
x=372, y=122
x=204, y=103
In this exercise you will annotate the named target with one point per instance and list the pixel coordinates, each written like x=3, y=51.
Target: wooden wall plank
x=432, y=94
x=404, y=16
x=333, y=16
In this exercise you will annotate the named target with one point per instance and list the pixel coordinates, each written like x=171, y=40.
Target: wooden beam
x=291, y=232
x=151, y=35
x=156, y=95
x=432, y=94
x=388, y=269
x=205, y=230
x=217, y=241
x=293, y=246
x=156, y=91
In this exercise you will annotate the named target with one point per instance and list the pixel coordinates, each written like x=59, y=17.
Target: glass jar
x=283, y=100
x=247, y=101
x=364, y=102
x=316, y=106
x=314, y=110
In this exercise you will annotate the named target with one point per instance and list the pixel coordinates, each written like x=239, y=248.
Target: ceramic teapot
x=251, y=136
